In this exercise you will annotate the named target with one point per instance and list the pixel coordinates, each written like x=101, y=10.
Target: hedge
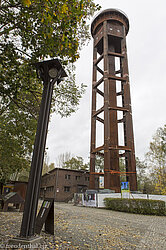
x=137, y=206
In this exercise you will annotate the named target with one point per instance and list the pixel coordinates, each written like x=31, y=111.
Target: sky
x=146, y=48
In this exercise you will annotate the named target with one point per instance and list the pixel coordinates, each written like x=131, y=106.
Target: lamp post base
x=34, y=242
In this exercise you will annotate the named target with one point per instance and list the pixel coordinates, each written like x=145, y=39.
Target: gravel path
x=92, y=228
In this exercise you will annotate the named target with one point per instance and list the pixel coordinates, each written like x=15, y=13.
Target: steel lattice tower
x=111, y=102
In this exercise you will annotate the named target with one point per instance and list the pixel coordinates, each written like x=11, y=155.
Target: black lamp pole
x=50, y=71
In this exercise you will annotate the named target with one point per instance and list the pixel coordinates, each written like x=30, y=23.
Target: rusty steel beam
x=100, y=119
x=96, y=84
x=121, y=120
x=98, y=149
x=113, y=77
x=100, y=70
x=119, y=93
x=97, y=112
x=128, y=124
x=118, y=71
x=93, y=124
x=110, y=53
x=120, y=148
x=119, y=109
x=109, y=30
x=98, y=60
x=100, y=92
x=96, y=173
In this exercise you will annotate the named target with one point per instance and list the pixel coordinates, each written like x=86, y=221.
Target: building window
x=50, y=189
x=67, y=176
x=77, y=178
x=66, y=189
x=86, y=178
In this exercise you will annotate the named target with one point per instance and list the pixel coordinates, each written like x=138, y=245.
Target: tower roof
x=110, y=14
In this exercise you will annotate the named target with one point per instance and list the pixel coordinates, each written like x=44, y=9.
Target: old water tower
x=111, y=120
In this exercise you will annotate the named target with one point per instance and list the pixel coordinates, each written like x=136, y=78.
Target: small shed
x=20, y=187
x=15, y=199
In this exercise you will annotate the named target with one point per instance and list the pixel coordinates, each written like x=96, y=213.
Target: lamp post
x=50, y=71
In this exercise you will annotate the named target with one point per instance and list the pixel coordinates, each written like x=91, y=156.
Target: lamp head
x=53, y=73
x=51, y=69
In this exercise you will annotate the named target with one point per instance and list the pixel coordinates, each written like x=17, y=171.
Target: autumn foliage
x=30, y=31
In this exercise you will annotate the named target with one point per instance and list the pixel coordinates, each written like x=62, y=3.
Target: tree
x=47, y=168
x=31, y=31
x=156, y=158
x=62, y=158
x=122, y=168
x=15, y=146
x=75, y=163
x=42, y=28
x=144, y=181
x=141, y=174
x=38, y=29
x=99, y=163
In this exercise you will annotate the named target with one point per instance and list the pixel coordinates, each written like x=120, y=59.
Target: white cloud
x=146, y=44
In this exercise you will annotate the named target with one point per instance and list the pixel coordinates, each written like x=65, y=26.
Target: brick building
x=61, y=184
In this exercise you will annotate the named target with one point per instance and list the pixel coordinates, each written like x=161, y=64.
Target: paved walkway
x=92, y=228
x=105, y=229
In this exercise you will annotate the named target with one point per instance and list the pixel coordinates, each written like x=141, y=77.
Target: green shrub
x=138, y=206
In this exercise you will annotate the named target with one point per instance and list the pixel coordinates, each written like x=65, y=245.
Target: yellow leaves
x=63, y=37
x=27, y=2
x=70, y=45
x=160, y=177
x=64, y=9
x=65, y=242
